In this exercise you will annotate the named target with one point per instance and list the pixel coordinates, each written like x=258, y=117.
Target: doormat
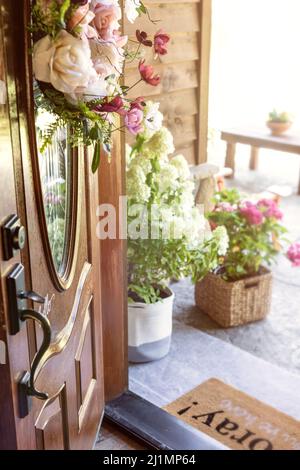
x=237, y=420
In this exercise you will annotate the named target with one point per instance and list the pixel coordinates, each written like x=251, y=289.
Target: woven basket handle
x=251, y=284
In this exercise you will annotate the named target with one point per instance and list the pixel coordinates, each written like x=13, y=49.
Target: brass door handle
x=29, y=314
x=26, y=384
x=31, y=295
x=18, y=313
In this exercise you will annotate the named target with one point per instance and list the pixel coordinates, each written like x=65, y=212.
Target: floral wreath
x=78, y=60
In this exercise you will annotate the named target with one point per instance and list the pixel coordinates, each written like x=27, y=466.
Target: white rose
x=131, y=7
x=98, y=88
x=108, y=59
x=65, y=62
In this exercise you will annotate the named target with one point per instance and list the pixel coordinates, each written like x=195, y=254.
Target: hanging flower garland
x=78, y=62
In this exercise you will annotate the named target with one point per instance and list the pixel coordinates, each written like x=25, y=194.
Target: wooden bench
x=258, y=139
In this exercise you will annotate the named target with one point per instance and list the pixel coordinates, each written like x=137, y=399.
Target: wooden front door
x=51, y=394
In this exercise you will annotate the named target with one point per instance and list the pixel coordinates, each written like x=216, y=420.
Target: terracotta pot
x=279, y=128
x=150, y=329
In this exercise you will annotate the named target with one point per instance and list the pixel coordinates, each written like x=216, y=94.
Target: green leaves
x=96, y=157
x=138, y=144
x=62, y=12
x=142, y=9
x=96, y=136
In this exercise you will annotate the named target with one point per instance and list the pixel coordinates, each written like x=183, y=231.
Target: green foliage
x=276, y=116
x=152, y=263
x=250, y=245
x=50, y=19
x=154, y=181
x=87, y=127
x=56, y=234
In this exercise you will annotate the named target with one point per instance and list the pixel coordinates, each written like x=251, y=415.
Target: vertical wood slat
x=184, y=71
x=203, y=88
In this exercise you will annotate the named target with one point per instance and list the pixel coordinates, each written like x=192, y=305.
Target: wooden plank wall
x=183, y=91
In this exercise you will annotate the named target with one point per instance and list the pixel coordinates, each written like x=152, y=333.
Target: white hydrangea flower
x=137, y=189
x=128, y=150
x=131, y=7
x=143, y=163
x=194, y=227
x=221, y=236
x=153, y=119
x=168, y=177
x=161, y=143
x=180, y=162
x=177, y=227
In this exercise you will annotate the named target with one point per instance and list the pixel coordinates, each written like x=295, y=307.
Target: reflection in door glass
x=54, y=165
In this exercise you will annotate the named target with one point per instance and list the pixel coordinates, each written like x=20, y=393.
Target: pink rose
x=134, y=121
x=251, y=213
x=106, y=19
x=270, y=208
x=81, y=19
x=293, y=254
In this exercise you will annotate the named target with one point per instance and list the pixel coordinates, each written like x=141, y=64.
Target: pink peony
x=293, y=254
x=251, y=213
x=147, y=74
x=116, y=105
x=106, y=19
x=134, y=121
x=138, y=103
x=270, y=208
x=160, y=41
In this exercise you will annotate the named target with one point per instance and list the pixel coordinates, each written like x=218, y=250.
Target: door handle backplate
x=18, y=313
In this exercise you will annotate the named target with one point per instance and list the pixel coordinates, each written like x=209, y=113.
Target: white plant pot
x=149, y=330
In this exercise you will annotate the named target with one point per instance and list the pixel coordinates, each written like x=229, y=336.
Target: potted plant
x=279, y=123
x=168, y=238
x=239, y=291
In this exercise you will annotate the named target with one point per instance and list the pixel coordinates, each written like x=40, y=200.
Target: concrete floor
x=263, y=358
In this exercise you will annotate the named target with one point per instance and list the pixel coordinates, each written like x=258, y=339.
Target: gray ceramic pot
x=149, y=330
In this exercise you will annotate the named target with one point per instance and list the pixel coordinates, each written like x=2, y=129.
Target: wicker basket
x=235, y=303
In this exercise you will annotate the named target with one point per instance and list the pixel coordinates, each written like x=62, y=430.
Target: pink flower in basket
x=251, y=213
x=225, y=207
x=293, y=254
x=270, y=208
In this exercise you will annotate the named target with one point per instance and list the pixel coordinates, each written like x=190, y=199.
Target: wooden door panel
x=51, y=426
x=71, y=370
x=85, y=365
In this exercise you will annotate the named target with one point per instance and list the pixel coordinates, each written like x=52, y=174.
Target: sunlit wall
x=255, y=61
